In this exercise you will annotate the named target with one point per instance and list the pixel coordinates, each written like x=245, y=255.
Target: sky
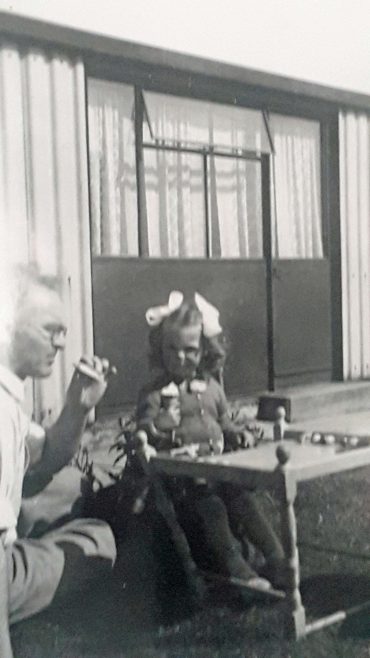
x=324, y=41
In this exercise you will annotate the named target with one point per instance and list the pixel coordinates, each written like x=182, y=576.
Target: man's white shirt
x=17, y=438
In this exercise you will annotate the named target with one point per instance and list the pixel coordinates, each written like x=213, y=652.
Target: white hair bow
x=210, y=315
x=156, y=314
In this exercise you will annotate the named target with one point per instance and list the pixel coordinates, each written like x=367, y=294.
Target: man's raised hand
x=89, y=382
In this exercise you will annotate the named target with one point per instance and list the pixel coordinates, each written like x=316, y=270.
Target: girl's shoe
x=252, y=585
x=275, y=571
x=234, y=565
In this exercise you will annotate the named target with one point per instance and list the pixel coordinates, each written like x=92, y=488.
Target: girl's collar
x=198, y=383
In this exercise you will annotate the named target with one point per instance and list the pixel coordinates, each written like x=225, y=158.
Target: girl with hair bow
x=184, y=407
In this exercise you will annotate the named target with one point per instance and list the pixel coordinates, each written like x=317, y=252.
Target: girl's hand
x=247, y=439
x=169, y=419
x=241, y=438
x=142, y=448
x=252, y=435
x=232, y=440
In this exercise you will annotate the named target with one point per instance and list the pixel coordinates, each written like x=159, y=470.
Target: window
x=113, y=190
x=296, y=193
x=176, y=220
x=202, y=178
x=176, y=121
x=235, y=203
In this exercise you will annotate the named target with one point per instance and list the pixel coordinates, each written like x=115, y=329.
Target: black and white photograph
x=185, y=329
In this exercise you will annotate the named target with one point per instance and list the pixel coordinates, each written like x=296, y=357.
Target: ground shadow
x=328, y=593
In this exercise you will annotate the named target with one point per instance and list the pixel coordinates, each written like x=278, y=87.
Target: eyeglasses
x=55, y=334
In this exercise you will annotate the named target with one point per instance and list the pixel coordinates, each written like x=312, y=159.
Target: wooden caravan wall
x=354, y=139
x=44, y=190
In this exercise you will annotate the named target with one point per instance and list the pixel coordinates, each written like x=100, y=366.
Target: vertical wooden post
x=140, y=175
x=267, y=254
x=206, y=207
x=331, y=188
x=296, y=616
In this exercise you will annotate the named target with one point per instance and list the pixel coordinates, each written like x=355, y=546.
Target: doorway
x=298, y=277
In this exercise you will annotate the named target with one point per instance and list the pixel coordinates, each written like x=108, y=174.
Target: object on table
x=329, y=439
x=191, y=450
x=316, y=437
x=303, y=437
x=280, y=424
x=268, y=404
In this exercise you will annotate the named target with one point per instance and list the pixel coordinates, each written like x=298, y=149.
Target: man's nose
x=59, y=340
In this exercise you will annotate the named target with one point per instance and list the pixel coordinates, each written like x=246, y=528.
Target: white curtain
x=174, y=182
x=296, y=194
x=354, y=142
x=44, y=192
x=113, y=199
x=235, y=208
x=175, y=186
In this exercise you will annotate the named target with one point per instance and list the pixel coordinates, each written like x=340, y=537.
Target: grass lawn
x=122, y=618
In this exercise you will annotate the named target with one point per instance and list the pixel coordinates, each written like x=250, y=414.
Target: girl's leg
x=250, y=522
x=219, y=539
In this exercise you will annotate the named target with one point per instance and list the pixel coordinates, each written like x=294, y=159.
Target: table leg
x=296, y=617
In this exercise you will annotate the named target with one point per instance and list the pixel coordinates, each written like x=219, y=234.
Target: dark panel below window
x=124, y=288
x=302, y=320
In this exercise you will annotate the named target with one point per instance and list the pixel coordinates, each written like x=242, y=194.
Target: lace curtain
x=178, y=182
x=113, y=201
x=296, y=194
x=179, y=185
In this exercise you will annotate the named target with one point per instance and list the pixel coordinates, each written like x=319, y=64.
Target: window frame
x=290, y=98
x=205, y=153
x=169, y=85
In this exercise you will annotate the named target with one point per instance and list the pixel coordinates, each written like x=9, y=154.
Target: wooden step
x=317, y=400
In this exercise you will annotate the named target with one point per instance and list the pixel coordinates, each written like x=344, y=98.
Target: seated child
x=185, y=404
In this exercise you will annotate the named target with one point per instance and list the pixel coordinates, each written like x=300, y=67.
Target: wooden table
x=280, y=466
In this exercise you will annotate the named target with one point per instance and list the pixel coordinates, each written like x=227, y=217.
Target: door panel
x=301, y=320
x=123, y=288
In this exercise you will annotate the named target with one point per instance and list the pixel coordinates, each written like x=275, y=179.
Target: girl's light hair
x=187, y=315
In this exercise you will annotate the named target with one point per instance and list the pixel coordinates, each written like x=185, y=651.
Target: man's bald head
x=32, y=325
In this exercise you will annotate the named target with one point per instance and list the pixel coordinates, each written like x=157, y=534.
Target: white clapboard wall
x=44, y=191
x=354, y=141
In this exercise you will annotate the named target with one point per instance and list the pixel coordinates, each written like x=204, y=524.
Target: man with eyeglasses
x=37, y=572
